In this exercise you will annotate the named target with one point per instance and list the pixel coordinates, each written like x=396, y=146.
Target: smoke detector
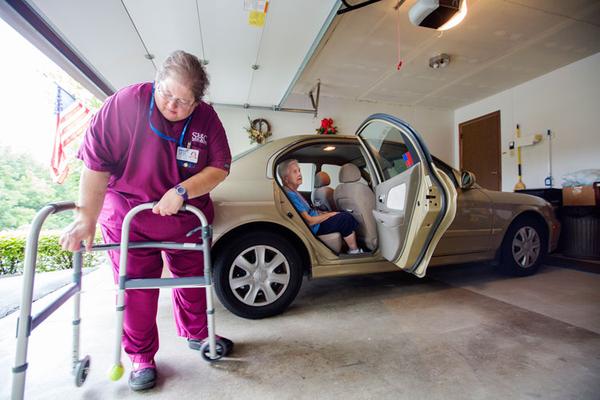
x=439, y=61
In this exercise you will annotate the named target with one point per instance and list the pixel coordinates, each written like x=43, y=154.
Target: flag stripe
x=72, y=119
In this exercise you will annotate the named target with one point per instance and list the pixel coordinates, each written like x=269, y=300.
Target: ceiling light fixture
x=457, y=18
x=329, y=148
x=439, y=61
x=438, y=14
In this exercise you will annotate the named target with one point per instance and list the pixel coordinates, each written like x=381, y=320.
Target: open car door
x=415, y=203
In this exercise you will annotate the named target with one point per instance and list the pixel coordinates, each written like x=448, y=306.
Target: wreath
x=259, y=130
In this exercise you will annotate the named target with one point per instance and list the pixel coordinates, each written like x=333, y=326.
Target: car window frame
x=443, y=166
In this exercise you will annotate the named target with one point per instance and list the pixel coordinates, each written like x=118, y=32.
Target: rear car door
x=415, y=203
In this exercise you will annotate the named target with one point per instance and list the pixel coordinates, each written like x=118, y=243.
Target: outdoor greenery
x=50, y=255
x=26, y=186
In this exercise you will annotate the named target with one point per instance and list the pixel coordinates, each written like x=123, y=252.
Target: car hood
x=514, y=198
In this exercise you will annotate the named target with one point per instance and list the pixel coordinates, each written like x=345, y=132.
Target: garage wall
x=566, y=101
x=435, y=125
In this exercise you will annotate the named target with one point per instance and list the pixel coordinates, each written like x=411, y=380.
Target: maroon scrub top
x=142, y=165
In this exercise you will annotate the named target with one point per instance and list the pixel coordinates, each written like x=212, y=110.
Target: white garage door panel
x=289, y=35
x=109, y=48
x=215, y=30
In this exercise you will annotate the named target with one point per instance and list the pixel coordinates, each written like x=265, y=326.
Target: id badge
x=187, y=155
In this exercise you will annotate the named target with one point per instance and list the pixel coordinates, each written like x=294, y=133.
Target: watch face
x=180, y=190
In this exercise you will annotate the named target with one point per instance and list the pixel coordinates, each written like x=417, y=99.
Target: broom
x=520, y=184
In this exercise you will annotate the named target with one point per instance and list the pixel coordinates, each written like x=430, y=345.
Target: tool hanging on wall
x=520, y=185
x=549, y=181
x=518, y=143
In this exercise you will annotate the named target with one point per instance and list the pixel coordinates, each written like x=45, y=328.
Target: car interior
x=337, y=177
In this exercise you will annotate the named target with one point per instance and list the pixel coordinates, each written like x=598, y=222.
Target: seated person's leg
x=344, y=223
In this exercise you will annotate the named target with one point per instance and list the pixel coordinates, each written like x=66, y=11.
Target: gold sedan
x=413, y=211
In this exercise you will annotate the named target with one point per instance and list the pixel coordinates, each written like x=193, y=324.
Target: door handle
x=494, y=172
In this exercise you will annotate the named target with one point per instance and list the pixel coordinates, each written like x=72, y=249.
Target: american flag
x=72, y=119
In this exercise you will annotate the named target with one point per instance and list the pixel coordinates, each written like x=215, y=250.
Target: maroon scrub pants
x=140, y=338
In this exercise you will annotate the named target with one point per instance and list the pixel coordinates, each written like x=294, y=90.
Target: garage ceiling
x=500, y=44
x=114, y=37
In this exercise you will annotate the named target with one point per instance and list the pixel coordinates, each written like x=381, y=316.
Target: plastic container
x=580, y=235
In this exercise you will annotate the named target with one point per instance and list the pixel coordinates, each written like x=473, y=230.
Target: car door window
x=334, y=174
x=386, y=144
x=308, y=173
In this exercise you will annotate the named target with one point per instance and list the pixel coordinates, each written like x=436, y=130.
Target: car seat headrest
x=322, y=179
x=349, y=173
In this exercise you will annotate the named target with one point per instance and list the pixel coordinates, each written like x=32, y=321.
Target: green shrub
x=51, y=257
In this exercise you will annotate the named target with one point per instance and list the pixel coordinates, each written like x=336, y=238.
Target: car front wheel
x=257, y=275
x=523, y=248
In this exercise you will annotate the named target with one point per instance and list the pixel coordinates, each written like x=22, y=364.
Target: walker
x=210, y=351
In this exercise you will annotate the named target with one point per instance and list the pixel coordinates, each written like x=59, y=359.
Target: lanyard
x=159, y=133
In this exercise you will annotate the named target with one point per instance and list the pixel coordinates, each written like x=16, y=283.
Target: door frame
x=460, y=145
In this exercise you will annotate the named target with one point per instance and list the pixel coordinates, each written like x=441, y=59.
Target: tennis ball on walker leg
x=116, y=372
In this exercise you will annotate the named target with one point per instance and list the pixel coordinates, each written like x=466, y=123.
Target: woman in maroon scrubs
x=153, y=141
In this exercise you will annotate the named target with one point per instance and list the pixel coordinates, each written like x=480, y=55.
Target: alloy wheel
x=526, y=246
x=259, y=275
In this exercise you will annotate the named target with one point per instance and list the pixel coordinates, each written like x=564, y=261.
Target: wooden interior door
x=479, y=144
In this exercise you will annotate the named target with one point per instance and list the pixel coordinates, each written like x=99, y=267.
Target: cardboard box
x=582, y=195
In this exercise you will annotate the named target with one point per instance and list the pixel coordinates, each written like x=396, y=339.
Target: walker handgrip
x=62, y=206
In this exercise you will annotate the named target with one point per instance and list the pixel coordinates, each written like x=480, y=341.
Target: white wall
x=566, y=101
x=435, y=125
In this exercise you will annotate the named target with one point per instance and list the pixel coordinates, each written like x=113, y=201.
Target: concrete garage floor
x=463, y=333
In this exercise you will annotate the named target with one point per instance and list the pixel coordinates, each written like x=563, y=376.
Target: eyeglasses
x=169, y=97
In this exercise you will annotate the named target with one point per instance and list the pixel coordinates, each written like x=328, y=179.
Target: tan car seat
x=322, y=194
x=333, y=240
x=322, y=199
x=357, y=198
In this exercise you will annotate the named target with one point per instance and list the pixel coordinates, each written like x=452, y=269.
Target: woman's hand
x=82, y=229
x=330, y=214
x=312, y=220
x=169, y=204
x=92, y=188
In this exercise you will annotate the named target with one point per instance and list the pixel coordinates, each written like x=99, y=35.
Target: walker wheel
x=205, y=351
x=81, y=370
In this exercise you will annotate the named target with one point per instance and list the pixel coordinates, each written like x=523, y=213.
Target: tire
x=266, y=294
x=523, y=248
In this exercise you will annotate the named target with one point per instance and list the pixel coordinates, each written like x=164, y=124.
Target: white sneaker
x=356, y=251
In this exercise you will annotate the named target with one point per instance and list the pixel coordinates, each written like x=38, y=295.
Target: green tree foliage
x=26, y=186
x=50, y=256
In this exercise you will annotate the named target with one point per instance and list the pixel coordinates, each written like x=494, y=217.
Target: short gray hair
x=188, y=68
x=284, y=166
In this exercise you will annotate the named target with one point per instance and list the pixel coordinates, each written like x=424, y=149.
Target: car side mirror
x=467, y=180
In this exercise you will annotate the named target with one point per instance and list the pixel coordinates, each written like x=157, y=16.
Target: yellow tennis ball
x=116, y=372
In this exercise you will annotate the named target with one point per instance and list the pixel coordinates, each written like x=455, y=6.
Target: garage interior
x=464, y=331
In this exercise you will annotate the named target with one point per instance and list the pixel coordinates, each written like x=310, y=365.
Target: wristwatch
x=180, y=190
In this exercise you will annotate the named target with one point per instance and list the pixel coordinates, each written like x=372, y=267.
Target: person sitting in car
x=321, y=223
